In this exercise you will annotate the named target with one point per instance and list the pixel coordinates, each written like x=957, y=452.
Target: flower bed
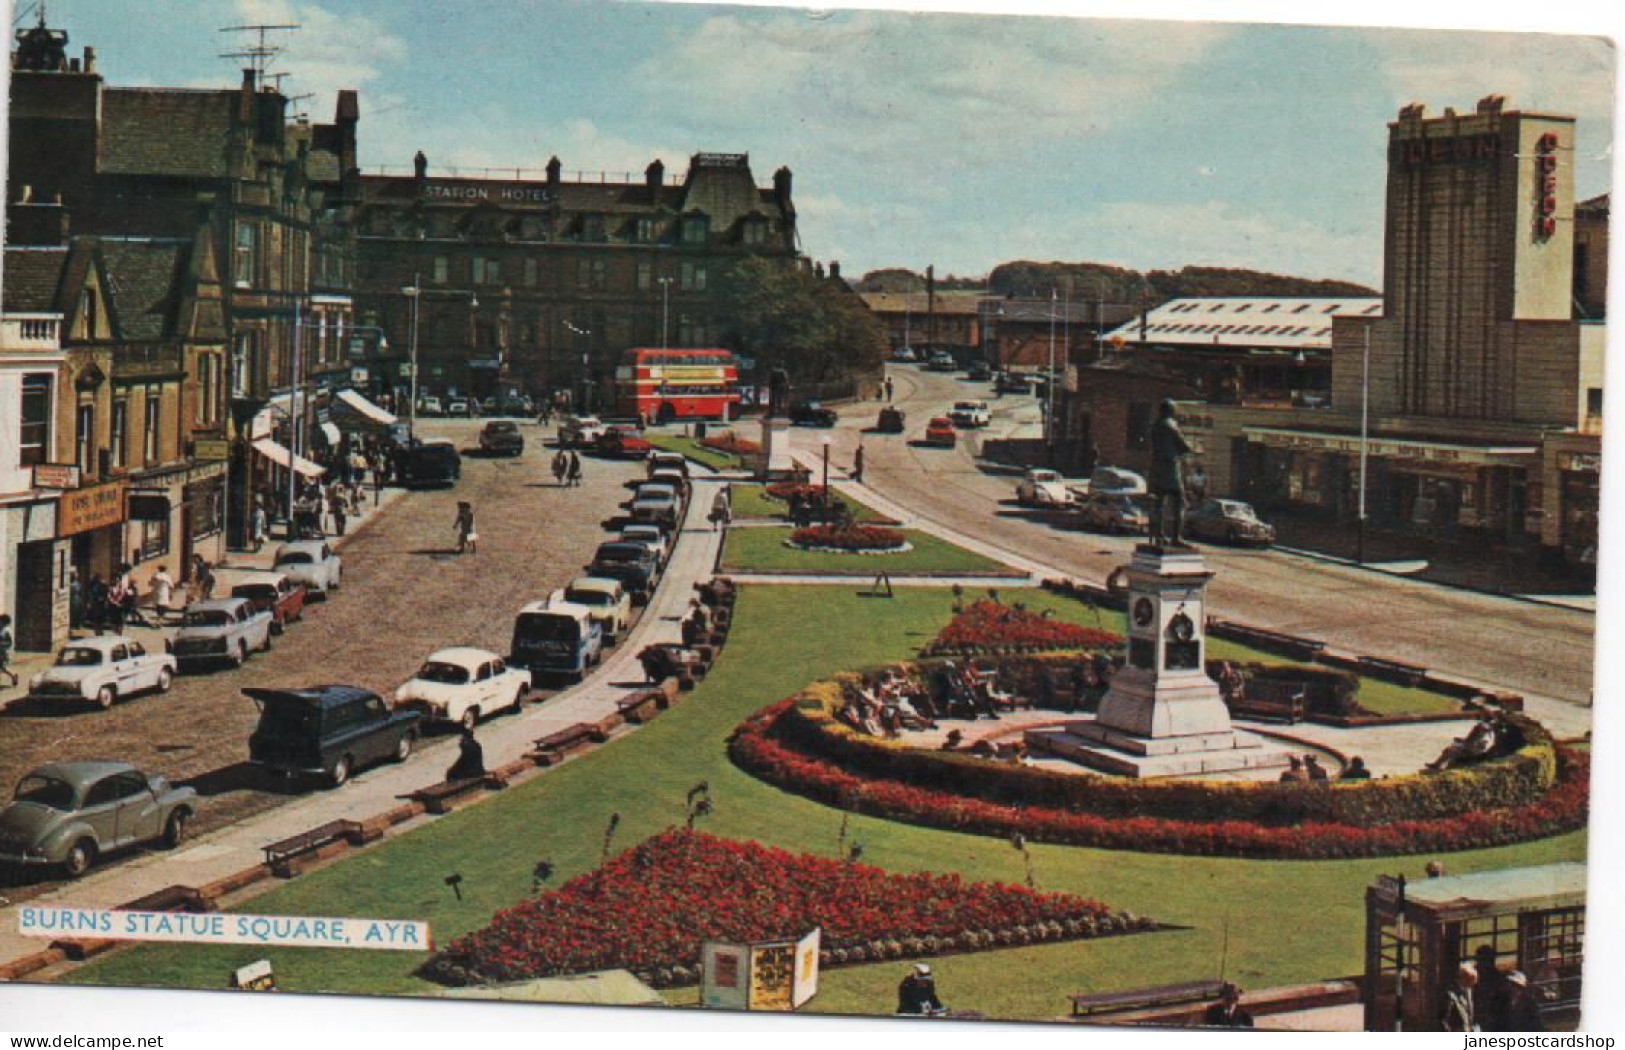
x=987, y=625
x=731, y=443
x=849, y=539
x=785, y=491
x=649, y=909
x=758, y=748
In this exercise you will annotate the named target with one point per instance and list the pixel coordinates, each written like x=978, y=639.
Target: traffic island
x=767, y=551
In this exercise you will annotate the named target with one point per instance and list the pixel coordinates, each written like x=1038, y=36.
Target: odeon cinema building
x=1478, y=384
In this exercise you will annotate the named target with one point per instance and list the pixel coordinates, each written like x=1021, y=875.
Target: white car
x=221, y=630
x=605, y=600
x=312, y=563
x=581, y=431
x=430, y=406
x=653, y=536
x=457, y=406
x=463, y=684
x=102, y=669
x=1041, y=487
x=905, y=355
x=970, y=414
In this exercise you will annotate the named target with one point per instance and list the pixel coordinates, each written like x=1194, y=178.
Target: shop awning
x=278, y=453
x=360, y=406
x=1441, y=452
x=331, y=433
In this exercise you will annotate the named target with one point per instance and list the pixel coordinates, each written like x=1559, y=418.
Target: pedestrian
x=575, y=469
x=257, y=526
x=203, y=576
x=1356, y=770
x=335, y=507
x=163, y=593
x=888, y=388
x=721, y=510
x=1312, y=766
x=917, y=994
x=467, y=538
x=96, y=612
x=1295, y=773
x=561, y=467
x=5, y=648
x=1521, y=1010
x=76, y=601
x=470, y=764
x=1227, y=1012
x=857, y=464
x=1457, y=1013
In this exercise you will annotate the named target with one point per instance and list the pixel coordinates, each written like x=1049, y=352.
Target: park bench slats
x=556, y=747
x=436, y=797
x=1145, y=998
x=279, y=855
x=1277, y=701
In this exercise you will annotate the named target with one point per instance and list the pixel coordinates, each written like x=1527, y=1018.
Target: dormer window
x=696, y=229
x=646, y=230
x=755, y=232
x=592, y=228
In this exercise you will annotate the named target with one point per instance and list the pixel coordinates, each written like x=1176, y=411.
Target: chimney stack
x=90, y=60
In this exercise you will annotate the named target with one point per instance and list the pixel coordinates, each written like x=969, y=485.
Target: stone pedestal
x=1163, y=715
x=776, y=462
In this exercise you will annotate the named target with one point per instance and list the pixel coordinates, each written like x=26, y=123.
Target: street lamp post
x=665, y=311
x=295, y=419
x=583, y=334
x=1365, y=436
x=413, y=293
x=1049, y=383
x=826, y=466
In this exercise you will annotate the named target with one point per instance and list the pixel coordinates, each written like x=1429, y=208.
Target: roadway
x=1542, y=651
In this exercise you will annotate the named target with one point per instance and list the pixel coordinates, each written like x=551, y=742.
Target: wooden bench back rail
x=277, y=854
x=1142, y=998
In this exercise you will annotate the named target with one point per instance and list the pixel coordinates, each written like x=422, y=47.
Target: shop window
x=34, y=445
x=154, y=539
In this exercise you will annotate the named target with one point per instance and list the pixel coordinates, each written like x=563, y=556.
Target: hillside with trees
x=1079, y=281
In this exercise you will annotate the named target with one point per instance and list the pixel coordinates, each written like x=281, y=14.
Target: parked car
x=970, y=414
x=942, y=361
x=70, y=813
x=557, y=638
x=463, y=685
x=1114, y=512
x=327, y=730
x=809, y=413
x=1010, y=383
x=428, y=463
x=890, y=421
x=312, y=563
x=905, y=355
x=580, y=431
x=502, y=437
x=660, y=459
x=1116, y=481
x=102, y=669
x=633, y=564
x=605, y=599
x=656, y=503
x=940, y=431
x=623, y=440
x=1228, y=521
x=1041, y=487
x=510, y=405
x=277, y=593
x=653, y=535
x=457, y=406
x=979, y=372
x=221, y=630
x=430, y=406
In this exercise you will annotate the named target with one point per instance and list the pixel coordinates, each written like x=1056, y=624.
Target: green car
x=70, y=813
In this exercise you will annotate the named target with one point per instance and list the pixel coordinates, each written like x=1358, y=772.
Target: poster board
x=763, y=975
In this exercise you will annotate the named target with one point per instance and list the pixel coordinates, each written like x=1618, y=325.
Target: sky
x=948, y=139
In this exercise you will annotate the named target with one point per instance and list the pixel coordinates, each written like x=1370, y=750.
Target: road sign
x=211, y=449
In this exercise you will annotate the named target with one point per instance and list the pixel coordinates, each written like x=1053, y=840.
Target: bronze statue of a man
x=778, y=394
x=1167, y=481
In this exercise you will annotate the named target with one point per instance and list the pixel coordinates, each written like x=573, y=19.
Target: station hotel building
x=1480, y=367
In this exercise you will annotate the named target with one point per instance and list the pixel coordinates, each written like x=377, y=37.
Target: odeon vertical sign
x=1545, y=213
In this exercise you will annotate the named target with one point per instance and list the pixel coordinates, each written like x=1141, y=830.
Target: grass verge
x=763, y=550
x=691, y=448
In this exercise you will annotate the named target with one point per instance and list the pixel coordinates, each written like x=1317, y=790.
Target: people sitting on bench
x=470, y=764
x=1231, y=683
x=659, y=662
x=1480, y=743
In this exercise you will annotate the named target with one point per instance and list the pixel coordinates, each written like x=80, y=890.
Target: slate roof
x=1595, y=206
x=148, y=131
x=146, y=279
x=32, y=280
x=918, y=302
x=1246, y=321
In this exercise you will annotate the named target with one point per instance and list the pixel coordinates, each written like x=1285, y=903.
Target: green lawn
x=1287, y=921
x=691, y=448
x=763, y=550
x=750, y=501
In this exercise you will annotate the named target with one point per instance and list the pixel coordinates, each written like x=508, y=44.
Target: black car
x=811, y=414
x=328, y=730
x=634, y=564
x=979, y=372
x=502, y=438
x=428, y=464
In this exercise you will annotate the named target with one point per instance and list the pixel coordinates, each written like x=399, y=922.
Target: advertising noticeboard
x=92, y=507
x=766, y=975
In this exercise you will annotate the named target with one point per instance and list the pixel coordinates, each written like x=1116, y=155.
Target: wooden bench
x=279, y=856
x=437, y=798
x=1393, y=670
x=1299, y=648
x=171, y=898
x=1273, y=701
x=556, y=747
x=640, y=707
x=1145, y=998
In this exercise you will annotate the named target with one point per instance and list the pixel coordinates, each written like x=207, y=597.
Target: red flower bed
x=730, y=442
x=988, y=624
x=848, y=537
x=649, y=909
x=786, y=490
x=759, y=751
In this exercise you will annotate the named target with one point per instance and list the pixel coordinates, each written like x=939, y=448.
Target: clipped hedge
x=809, y=726
x=759, y=749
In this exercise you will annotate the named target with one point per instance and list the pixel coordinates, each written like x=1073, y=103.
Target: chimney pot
x=90, y=60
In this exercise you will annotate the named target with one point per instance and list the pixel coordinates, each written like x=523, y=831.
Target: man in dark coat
x=1227, y=1012
x=1167, y=481
x=917, y=993
x=470, y=758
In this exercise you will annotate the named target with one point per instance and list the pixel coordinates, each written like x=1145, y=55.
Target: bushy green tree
x=811, y=326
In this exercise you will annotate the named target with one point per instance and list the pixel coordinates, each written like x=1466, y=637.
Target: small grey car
x=70, y=813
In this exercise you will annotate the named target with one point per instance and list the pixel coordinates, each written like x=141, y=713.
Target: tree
x=811, y=326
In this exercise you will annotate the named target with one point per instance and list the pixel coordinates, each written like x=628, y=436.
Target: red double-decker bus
x=665, y=385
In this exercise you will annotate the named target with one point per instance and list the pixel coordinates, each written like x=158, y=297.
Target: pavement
x=239, y=846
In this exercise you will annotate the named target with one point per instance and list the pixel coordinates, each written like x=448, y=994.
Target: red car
x=940, y=431
x=284, y=597
x=624, y=440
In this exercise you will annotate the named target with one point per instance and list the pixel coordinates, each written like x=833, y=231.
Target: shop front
x=36, y=594
x=93, y=519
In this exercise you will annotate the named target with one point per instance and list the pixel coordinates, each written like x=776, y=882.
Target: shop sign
x=1545, y=186
x=92, y=507
x=1455, y=149
x=56, y=475
x=1581, y=462
x=1415, y=451
x=358, y=376
x=213, y=450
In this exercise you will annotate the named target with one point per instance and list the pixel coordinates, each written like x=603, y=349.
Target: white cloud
x=330, y=52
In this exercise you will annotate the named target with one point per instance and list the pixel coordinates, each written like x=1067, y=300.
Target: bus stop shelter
x=1419, y=933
